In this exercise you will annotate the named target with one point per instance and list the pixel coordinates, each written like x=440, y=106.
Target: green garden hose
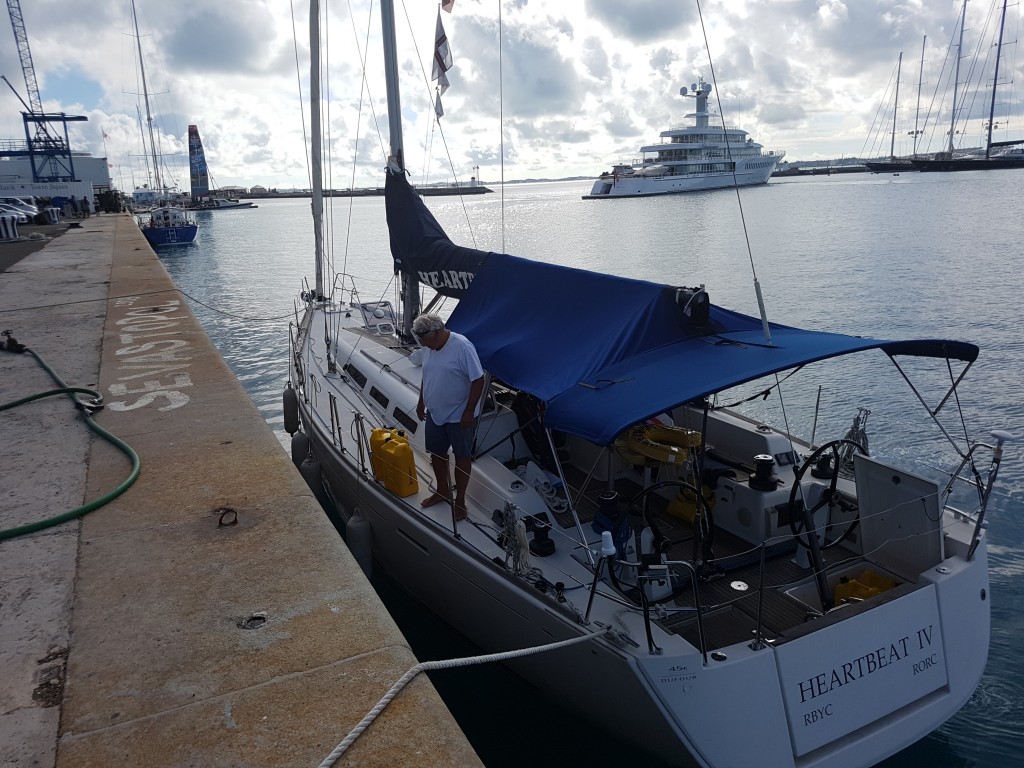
x=86, y=409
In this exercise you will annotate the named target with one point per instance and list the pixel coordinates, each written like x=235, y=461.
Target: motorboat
x=705, y=155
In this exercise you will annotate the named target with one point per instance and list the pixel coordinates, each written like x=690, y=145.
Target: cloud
x=569, y=86
x=642, y=21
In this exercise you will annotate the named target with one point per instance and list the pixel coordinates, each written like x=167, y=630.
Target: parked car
x=29, y=209
x=5, y=210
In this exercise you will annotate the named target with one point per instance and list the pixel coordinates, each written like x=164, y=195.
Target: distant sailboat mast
x=917, y=113
x=995, y=84
x=956, y=78
x=895, y=108
x=145, y=95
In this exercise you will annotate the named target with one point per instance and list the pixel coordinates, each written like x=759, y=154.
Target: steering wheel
x=824, y=463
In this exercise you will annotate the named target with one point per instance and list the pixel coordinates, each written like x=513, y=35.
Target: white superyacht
x=705, y=155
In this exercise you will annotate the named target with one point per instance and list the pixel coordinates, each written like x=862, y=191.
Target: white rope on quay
x=428, y=666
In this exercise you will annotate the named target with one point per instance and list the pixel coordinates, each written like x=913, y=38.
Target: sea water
x=885, y=255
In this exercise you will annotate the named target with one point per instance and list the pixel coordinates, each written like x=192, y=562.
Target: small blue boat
x=168, y=225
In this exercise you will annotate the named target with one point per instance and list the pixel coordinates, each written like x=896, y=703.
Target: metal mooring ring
x=228, y=517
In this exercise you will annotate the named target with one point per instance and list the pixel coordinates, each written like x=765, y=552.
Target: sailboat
x=199, y=179
x=893, y=163
x=166, y=224
x=998, y=154
x=665, y=565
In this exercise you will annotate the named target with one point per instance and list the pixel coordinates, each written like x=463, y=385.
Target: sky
x=567, y=88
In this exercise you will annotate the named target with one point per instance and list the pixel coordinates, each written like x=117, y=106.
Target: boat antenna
x=316, y=159
x=995, y=84
x=739, y=200
x=396, y=159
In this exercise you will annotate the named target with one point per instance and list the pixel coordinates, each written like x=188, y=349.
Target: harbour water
x=891, y=256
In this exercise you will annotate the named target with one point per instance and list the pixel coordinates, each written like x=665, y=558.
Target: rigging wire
x=736, y=187
x=364, y=90
x=440, y=128
x=880, y=122
x=302, y=101
x=501, y=123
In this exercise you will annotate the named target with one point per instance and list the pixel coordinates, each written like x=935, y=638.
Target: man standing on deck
x=452, y=383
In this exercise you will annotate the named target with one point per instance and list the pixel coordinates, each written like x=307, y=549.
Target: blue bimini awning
x=606, y=352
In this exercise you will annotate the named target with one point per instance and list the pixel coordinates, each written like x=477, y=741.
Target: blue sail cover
x=606, y=352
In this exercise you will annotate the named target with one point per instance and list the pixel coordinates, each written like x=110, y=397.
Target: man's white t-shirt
x=447, y=375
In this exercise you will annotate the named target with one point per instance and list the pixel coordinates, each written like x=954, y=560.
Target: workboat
x=705, y=155
x=713, y=588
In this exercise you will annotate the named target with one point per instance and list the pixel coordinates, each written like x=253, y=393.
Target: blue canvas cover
x=606, y=352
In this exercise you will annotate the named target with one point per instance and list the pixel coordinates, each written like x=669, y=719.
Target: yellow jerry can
x=399, y=465
x=377, y=439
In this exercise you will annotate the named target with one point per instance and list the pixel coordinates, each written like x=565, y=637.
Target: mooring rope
x=428, y=666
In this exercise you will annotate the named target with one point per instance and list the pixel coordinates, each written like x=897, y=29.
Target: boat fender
x=669, y=445
x=300, y=448
x=291, y=409
x=310, y=471
x=359, y=537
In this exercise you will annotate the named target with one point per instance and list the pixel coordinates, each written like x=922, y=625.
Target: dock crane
x=49, y=151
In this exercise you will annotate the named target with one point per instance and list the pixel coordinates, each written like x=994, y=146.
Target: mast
x=396, y=160
x=145, y=96
x=920, y=79
x=316, y=162
x=895, y=108
x=995, y=84
x=956, y=78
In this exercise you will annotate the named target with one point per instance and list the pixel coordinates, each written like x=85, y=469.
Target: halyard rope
x=427, y=666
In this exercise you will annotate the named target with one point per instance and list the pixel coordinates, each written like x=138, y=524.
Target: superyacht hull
x=636, y=185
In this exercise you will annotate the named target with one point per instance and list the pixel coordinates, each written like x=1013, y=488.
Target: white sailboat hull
x=904, y=665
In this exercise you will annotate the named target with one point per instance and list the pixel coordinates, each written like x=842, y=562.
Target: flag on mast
x=442, y=62
x=447, y=5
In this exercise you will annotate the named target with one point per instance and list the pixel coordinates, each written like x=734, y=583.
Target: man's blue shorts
x=440, y=437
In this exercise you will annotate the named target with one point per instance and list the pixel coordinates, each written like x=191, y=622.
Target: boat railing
x=344, y=289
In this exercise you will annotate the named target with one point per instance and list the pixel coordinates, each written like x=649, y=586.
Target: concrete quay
x=207, y=616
